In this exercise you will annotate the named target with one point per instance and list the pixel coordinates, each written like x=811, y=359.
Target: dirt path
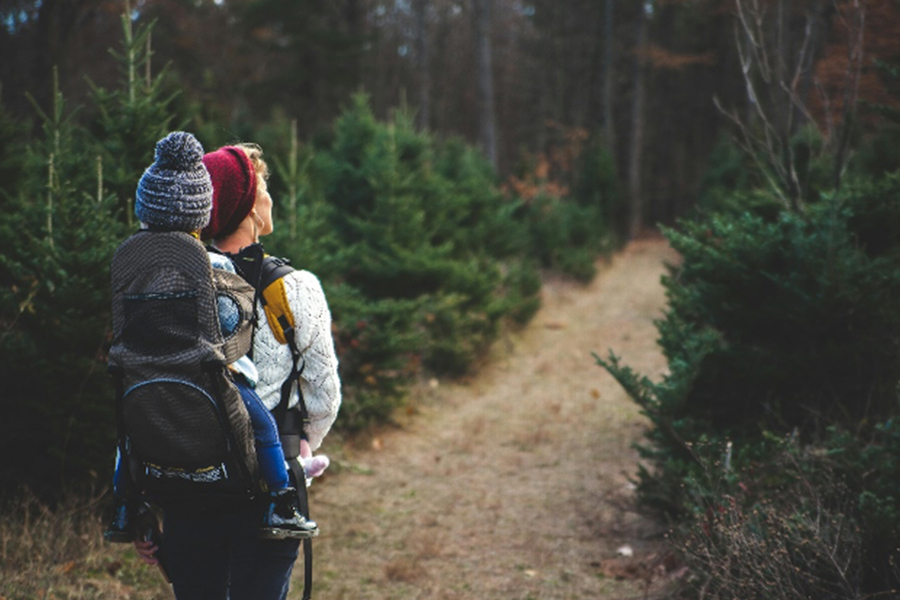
x=513, y=485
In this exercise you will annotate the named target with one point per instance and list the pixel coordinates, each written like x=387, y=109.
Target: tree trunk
x=637, y=131
x=487, y=136
x=424, y=58
x=608, y=76
x=818, y=24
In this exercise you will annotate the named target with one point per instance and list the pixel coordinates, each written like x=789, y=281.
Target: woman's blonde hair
x=254, y=153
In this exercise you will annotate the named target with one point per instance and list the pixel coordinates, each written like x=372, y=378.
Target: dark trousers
x=219, y=556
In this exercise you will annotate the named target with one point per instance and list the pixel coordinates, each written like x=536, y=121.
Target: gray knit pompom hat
x=175, y=192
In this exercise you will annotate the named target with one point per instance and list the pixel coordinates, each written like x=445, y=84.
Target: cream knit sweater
x=319, y=379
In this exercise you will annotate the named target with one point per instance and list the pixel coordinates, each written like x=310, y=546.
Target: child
x=175, y=194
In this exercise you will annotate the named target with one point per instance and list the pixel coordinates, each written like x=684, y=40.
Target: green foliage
x=62, y=222
x=130, y=119
x=597, y=187
x=783, y=519
x=773, y=324
x=57, y=240
x=568, y=231
x=733, y=175
x=375, y=342
x=880, y=154
x=565, y=235
x=870, y=466
x=418, y=251
x=890, y=76
x=12, y=158
x=727, y=172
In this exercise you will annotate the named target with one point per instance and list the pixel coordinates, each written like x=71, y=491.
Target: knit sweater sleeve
x=319, y=379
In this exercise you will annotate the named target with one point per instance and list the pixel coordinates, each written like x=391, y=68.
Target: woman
x=219, y=554
x=175, y=194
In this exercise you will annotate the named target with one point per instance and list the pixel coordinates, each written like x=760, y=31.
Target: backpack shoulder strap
x=274, y=298
x=276, y=305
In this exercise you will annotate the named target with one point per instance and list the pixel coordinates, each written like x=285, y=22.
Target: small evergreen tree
x=56, y=248
x=70, y=209
x=416, y=247
x=131, y=119
x=774, y=324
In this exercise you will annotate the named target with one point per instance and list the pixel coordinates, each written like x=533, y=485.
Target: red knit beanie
x=234, y=190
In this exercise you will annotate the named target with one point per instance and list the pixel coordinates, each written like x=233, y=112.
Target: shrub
x=62, y=221
x=782, y=519
x=565, y=236
x=780, y=528
x=773, y=324
x=567, y=229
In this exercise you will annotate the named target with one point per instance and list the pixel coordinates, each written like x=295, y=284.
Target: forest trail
x=514, y=484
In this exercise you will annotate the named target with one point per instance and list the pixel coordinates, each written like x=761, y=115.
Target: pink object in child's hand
x=315, y=465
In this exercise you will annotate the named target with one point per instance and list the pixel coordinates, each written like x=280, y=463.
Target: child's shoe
x=283, y=519
x=122, y=528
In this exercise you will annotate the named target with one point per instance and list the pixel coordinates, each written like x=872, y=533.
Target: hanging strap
x=300, y=482
x=291, y=432
x=124, y=463
x=276, y=305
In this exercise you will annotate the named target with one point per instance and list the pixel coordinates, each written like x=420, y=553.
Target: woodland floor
x=513, y=484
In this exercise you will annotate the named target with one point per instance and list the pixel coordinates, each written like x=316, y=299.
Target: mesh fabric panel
x=160, y=323
x=174, y=423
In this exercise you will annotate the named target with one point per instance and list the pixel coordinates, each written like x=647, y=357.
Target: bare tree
x=635, y=190
x=487, y=135
x=608, y=76
x=778, y=63
x=424, y=58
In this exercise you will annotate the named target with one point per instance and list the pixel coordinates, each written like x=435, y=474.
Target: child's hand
x=316, y=465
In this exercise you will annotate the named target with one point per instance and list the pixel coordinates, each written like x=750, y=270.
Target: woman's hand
x=146, y=550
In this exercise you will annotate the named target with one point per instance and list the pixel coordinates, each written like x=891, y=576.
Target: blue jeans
x=219, y=556
x=269, y=453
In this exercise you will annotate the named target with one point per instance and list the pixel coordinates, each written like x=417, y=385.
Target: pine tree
x=133, y=117
x=69, y=211
x=56, y=246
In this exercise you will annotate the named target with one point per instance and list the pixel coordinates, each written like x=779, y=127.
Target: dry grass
x=509, y=486
x=406, y=570
x=61, y=554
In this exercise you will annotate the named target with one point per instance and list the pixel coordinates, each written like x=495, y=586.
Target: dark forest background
x=636, y=77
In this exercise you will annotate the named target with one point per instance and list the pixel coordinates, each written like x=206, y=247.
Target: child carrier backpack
x=184, y=432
